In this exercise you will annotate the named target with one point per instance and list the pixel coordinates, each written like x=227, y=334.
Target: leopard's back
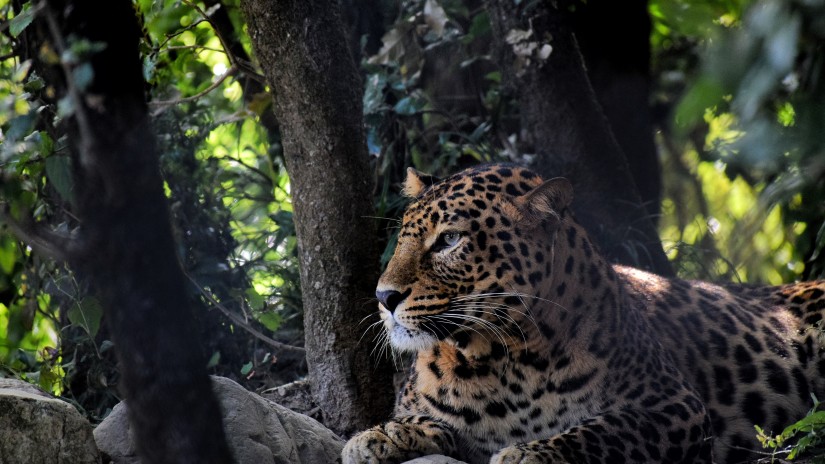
x=755, y=354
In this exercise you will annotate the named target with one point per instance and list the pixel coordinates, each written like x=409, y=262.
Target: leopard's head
x=473, y=252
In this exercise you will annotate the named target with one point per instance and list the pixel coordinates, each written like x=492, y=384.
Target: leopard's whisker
x=493, y=311
x=489, y=326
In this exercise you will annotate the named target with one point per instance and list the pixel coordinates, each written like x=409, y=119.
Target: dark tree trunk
x=305, y=55
x=619, y=71
x=570, y=134
x=126, y=250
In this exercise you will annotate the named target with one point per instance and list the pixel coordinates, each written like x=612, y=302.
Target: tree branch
x=164, y=103
x=42, y=240
x=237, y=320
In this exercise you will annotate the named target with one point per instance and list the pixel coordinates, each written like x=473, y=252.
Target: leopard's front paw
x=371, y=447
x=519, y=455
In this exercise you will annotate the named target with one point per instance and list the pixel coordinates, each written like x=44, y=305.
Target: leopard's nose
x=391, y=298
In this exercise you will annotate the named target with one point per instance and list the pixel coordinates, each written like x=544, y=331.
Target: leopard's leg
x=399, y=440
x=619, y=436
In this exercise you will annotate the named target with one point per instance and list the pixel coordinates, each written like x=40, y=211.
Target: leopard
x=530, y=347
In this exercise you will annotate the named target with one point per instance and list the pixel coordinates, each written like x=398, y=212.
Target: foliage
x=432, y=99
x=745, y=126
x=227, y=186
x=803, y=436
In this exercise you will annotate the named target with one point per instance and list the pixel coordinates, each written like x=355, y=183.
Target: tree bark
x=304, y=52
x=126, y=250
x=564, y=125
x=619, y=71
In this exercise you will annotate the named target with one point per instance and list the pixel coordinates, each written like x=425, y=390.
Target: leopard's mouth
x=413, y=328
x=403, y=335
x=406, y=338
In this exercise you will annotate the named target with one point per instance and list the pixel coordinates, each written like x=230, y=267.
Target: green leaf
x=247, y=368
x=480, y=25
x=59, y=173
x=21, y=71
x=20, y=22
x=214, y=360
x=106, y=346
x=270, y=320
x=65, y=107
x=255, y=300
x=34, y=83
x=704, y=94
x=20, y=127
x=49, y=379
x=87, y=314
x=8, y=254
x=83, y=76
x=407, y=106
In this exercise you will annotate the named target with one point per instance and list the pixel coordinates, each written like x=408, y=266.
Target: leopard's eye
x=446, y=240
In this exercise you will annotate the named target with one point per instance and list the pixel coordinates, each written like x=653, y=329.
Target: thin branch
x=192, y=47
x=178, y=32
x=255, y=170
x=237, y=320
x=215, y=29
x=43, y=241
x=244, y=65
x=74, y=93
x=164, y=103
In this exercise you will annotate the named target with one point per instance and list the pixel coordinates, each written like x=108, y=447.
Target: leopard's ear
x=417, y=182
x=547, y=201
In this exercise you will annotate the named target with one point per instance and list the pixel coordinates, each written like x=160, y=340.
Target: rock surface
x=258, y=431
x=36, y=428
x=434, y=459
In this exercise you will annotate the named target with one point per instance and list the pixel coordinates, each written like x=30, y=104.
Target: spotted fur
x=531, y=348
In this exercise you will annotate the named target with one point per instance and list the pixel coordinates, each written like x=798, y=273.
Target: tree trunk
x=619, y=71
x=317, y=92
x=126, y=250
x=565, y=126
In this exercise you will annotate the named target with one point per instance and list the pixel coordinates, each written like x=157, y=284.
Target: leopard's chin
x=410, y=340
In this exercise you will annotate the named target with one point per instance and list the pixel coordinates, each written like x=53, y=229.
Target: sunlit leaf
x=270, y=320
x=8, y=253
x=703, y=94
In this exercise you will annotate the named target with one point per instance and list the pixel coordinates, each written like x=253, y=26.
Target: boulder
x=258, y=431
x=36, y=428
x=434, y=459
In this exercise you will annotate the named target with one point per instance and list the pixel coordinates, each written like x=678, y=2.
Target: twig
x=164, y=103
x=215, y=29
x=43, y=241
x=237, y=320
x=255, y=170
x=177, y=33
x=74, y=93
x=246, y=67
x=192, y=47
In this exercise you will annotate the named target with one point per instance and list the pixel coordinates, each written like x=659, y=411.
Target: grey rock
x=435, y=459
x=259, y=431
x=36, y=428
x=114, y=437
